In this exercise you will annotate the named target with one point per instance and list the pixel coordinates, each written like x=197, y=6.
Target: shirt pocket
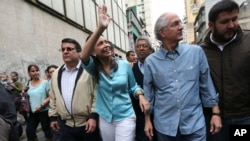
x=191, y=72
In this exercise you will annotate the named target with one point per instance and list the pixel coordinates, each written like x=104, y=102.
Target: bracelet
x=216, y=114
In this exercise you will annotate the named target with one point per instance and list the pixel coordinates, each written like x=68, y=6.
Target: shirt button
x=176, y=80
x=174, y=70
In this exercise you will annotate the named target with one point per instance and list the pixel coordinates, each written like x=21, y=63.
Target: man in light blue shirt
x=177, y=80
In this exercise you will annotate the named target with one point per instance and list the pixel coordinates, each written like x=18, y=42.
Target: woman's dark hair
x=32, y=65
x=222, y=6
x=99, y=67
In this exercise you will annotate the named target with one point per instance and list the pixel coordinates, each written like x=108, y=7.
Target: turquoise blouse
x=113, y=101
x=37, y=94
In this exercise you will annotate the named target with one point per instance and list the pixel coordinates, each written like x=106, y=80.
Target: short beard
x=220, y=38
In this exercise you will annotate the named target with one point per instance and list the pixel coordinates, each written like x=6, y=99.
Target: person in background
x=143, y=49
x=72, y=100
x=50, y=69
x=39, y=103
x=8, y=112
x=46, y=74
x=5, y=80
x=114, y=83
x=227, y=48
x=17, y=90
x=130, y=55
x=178, y=84
x=16, y=83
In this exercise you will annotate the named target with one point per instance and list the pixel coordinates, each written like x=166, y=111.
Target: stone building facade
x=31, y=30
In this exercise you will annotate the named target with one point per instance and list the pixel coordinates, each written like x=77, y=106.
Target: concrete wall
x=29, y=34
x=244, y=17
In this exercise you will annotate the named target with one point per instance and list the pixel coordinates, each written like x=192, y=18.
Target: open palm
x=104, y=19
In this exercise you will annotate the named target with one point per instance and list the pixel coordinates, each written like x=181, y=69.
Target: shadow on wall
x=22, y=68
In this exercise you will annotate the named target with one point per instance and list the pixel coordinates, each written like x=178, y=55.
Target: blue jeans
x=67, y=133
x=224, y=133
x=33, y=121
x=199, y=135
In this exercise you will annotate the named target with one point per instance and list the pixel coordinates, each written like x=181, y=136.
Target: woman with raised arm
x=115, y=82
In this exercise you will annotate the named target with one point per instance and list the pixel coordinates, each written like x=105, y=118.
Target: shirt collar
x=140, y=63
x=76, y=68
x=141, y=66
x=176, y=50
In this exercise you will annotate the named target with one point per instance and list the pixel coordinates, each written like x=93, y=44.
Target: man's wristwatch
x=216, y=114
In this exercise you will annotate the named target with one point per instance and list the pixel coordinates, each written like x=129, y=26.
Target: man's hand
x=90, y=126
x=148, y=128
x=54, y=125
x=215, y=124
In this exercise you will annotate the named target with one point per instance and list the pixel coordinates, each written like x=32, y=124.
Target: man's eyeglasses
x=176, y=24
x=142, y=46
x=67, y=49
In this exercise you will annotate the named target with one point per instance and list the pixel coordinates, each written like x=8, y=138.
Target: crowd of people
x=181, y=92
x=37, y=89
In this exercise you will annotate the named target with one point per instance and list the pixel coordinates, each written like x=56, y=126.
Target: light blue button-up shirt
x=180, y=83
x=113, y=102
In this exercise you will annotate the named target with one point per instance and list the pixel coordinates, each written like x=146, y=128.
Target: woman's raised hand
x=104, y=18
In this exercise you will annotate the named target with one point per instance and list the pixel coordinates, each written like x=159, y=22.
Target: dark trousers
x=56, y=135
x=139, y=130
x=68, y=133
x=224, y=133
x=25, y=116
x=140, y=124
x=32, y=124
